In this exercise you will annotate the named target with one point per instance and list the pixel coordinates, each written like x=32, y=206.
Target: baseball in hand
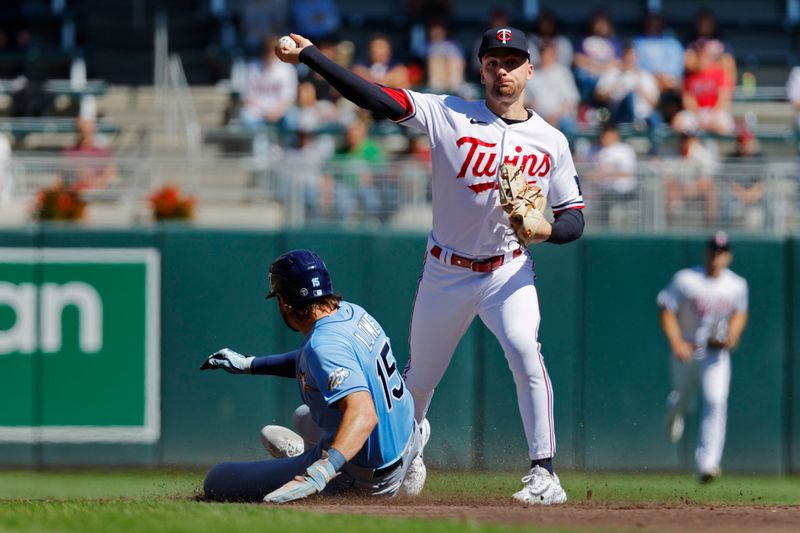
x=287, y=43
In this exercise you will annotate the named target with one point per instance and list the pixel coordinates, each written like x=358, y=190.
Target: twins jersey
x=468, y=144
x=703, y=304
x=347, y=352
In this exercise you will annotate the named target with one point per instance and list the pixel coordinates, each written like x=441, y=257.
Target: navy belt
x=364, y=473
x=382, y=471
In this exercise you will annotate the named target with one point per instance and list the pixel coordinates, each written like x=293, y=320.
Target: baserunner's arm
x=276, y=365
x=358, y=421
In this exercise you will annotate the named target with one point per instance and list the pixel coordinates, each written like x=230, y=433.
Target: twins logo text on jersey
x=480, y=161
x=706, y=305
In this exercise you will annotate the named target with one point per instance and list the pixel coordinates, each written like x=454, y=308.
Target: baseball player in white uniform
x=475, y=264
x=703, y=314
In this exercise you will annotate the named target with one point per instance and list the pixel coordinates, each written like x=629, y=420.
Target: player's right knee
x=299, y=417
x=214, y=486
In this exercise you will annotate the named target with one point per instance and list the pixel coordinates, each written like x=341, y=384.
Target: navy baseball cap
x=719, y=242
x=504, y=37
x=299, y=276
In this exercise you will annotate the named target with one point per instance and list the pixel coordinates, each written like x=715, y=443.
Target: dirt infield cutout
x=685, y=517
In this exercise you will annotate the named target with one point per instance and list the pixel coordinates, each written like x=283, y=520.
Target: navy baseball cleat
x=707, y=477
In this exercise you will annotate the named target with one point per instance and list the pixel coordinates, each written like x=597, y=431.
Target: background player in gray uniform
x=476, y=262
x=357, y=413
x=703, y=315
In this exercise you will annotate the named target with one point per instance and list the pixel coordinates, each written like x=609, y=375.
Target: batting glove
x=230, y=361
x=318, y=475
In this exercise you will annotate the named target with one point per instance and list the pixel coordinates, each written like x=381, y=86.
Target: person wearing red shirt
x=707, y=91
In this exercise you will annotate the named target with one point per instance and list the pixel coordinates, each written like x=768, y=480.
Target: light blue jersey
x=347, y=352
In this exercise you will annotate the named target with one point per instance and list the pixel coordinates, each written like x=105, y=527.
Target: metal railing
x=672, y=195
x=173, y=96
x=662, y=196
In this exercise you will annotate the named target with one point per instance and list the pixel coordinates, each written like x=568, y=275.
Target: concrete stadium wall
x=600, y=337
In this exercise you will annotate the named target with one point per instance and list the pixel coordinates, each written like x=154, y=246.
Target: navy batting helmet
x=299, y=276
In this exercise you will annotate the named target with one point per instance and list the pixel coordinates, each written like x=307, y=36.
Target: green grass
x=631, y=488
x=92, y=516
x=102, y=501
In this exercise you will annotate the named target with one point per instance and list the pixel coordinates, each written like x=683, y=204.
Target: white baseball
x=287, y=42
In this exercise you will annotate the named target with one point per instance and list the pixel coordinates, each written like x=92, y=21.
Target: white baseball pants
x=712, y=374
x=448, y=298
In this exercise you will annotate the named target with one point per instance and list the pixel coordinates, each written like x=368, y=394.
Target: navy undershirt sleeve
x=283, y=365
x=567, y=226
x=361, y=92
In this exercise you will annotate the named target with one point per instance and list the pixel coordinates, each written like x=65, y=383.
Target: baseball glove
x=524, y=204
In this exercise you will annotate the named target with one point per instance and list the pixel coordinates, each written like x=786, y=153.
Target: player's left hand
x=529, y=225
x=317, y=477
x=230, y=361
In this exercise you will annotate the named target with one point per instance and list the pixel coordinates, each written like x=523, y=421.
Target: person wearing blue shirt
x=357, y=425
x=661, y=54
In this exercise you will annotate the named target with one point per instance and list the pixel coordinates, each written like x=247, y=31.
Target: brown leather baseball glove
x=524, y=204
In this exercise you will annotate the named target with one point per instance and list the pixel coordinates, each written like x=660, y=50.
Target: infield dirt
x=685, y=517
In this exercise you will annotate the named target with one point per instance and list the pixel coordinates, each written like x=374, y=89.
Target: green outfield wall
x=102, y=334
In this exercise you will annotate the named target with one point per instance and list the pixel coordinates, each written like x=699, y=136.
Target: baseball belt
x=477, y=265
x=368, y=474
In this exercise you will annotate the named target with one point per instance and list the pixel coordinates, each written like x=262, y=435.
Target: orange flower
x=167, y=204
x=58, y=203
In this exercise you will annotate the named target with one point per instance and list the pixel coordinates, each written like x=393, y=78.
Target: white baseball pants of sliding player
x=712, y=374
x=448, y=298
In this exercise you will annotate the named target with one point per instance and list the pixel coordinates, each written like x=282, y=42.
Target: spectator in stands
x=415, y=169
x=380, y=65
x=315, y=19
x=552, y=92
x=28, y=97
x=257, y=18
x=595, y=54
x=545, y=30
x=353, y=169
x=661, y=54
x=611, y=180
x=705, y=29
x=444, y=60
x=270, y=90
x=419, y=14
x=630, y=93
x=89, y=164
x=497, y=17
x=310, y=112
x=708, y=91
x=743, y=201
x=302, y=180
x=793, y=94
x=6, y=177
x=689, y=178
